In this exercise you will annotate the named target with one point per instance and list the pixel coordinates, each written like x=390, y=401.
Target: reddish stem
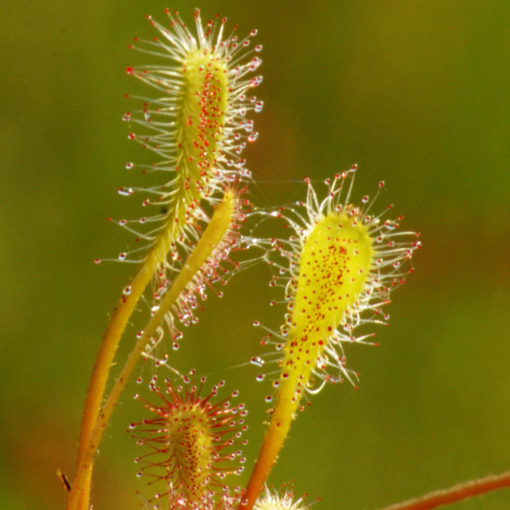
x=456, y=493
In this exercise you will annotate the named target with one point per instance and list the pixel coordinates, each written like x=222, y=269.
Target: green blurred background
x=415, y=92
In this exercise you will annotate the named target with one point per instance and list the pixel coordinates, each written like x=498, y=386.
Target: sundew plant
x=335, y=266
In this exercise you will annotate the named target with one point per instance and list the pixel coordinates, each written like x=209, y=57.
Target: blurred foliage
x=415, y=92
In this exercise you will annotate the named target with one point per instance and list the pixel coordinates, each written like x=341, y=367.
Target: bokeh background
x=415, y=92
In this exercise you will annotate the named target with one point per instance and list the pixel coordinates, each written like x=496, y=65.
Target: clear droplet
x=126, y=192
x=257, y=361
x=254, y=82
x=255, y=63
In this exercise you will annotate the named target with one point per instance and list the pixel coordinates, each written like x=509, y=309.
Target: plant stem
x=281, y=420
x=213, y=234
x=104, y=359
x=456, y=493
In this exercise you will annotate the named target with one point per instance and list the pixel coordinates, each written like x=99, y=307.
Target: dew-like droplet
x=257, y=361
x=127, y=290
x=248, y=126
x=252, y=137
x=129, y=165
x=260, y=377
x=126, y=192
x=259, y=105
x=256, y=81
x=255, y=63
x=122, y=255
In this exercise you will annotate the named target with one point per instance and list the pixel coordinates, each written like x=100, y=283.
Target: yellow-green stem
x=284, y=411
x=106, y=354
x=212, y=236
